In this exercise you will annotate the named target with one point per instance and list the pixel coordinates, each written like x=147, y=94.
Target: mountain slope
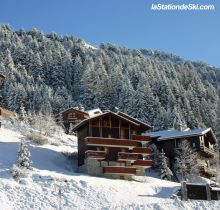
x=51, y=169
x=54, y=72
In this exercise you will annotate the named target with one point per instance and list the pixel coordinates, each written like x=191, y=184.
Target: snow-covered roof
x=94, y=112
x=175, y=134
x=73, y=108
x=215, y=189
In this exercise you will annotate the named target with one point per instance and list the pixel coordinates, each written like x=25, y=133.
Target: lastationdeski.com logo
x=189, y=7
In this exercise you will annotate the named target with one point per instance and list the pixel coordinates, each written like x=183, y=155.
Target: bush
x=46, y=125
x=19, y=171
x=37, y=138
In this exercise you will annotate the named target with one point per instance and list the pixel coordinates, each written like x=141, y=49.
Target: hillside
x=55, y=72
x=52, y=169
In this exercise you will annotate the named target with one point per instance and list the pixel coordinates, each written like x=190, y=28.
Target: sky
x=193, y=35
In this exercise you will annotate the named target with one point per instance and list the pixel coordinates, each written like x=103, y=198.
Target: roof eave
x=92, y=118
x=141, y=123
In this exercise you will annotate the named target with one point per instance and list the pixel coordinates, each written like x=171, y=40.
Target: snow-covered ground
x=79, y=191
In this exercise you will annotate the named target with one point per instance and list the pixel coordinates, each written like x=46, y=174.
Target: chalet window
x=71, y=115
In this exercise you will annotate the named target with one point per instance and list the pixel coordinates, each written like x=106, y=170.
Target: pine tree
x=217, y=124
x=165, y=172
x=186, y=160
x=155, y=155
x=147, y=84
x=23, y=157
x=23, y=114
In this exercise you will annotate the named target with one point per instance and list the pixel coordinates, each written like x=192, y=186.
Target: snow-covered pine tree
x=144, y=83
x=217, y=124
x=185, y=161
x=23, y=157
x=165, y=172
x=155, y=155
x=23, y=114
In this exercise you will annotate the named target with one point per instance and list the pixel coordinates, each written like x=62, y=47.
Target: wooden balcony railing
x=207, y=170
x=119, y=170
x=143, y=163
x=142, y=150
x=140, y=138
x=5, y=113
x=92, y=154
x=207, y=151
x=110, y=142
x=123, y=156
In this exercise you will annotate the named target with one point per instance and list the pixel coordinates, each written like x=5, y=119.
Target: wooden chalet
x=202, y=140
x=110, y=144
x=2, y=78
x=4, y=113
x=71, y=116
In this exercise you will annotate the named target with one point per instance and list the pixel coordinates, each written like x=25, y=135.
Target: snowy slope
x=88, y=45
x=52, y=168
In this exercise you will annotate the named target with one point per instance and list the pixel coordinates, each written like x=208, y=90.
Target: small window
x=193, y=144
x=71, y=115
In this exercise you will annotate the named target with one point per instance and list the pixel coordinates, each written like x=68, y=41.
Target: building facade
x=71, y=117
x=202, y=141
x=111, y=145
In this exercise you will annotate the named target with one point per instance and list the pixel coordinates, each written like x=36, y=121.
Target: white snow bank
x=79, y=191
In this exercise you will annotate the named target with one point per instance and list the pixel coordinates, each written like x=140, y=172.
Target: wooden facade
x=2, y=78
x=4, y=113
x=200, y=191
x=115, y=142
x=201, y=142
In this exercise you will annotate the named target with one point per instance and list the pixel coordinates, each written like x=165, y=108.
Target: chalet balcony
x=123, y=156
x=119, y=170
x=72, y=118
x=98, y=155
x=110, y=142
x=142, y=150
x=207, y=152
x=209, y=172
x=143, y=163
x=140, y=138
